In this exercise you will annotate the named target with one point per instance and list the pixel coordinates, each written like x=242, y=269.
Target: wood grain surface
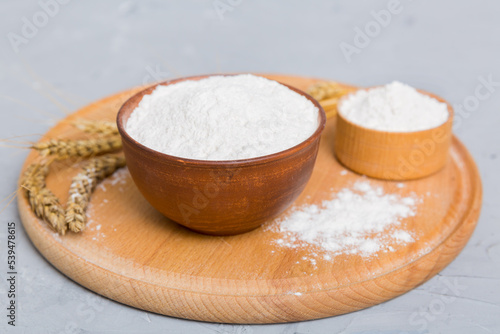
x=132, y=254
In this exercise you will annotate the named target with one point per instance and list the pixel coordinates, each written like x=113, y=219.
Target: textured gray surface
x=91, y=49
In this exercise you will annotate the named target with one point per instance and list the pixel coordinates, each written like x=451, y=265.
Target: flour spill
x=361, y=219
x=119, y=180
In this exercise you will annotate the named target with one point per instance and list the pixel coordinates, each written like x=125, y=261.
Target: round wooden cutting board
x=132, y=254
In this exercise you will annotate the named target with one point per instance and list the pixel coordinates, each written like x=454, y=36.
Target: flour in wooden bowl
x=395, y=107
x=223, y=118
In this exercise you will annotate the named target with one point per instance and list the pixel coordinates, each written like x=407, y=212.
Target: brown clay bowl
x=219, y=197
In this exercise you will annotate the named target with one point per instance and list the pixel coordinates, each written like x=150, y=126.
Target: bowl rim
x=239, y=162
x=449, y=107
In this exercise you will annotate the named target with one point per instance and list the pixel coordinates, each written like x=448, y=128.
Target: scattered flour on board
x=91, y=223
x=118, y=179
x=360, y=220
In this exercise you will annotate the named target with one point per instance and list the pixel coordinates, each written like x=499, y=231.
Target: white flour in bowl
x=395, y=107
x=360, y=220
x=223, y=118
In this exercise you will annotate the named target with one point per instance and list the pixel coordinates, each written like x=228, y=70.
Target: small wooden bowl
x=393, y=155
x=219, y=197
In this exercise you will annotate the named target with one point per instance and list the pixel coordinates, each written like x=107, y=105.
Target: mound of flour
x=223, y=118
x=395, y=107
x=361, y=220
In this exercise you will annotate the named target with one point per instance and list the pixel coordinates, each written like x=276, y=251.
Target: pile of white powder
x=395, y=107
x=223, y=118
x=359, y=220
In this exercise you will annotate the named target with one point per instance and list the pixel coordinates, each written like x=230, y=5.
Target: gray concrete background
x=90, y=49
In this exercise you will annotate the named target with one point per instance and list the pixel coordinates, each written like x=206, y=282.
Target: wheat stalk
x=42, y=201
x=97, y=127
x=84, y=184
x=64, y=149
x=328, y=93
x=327, y=90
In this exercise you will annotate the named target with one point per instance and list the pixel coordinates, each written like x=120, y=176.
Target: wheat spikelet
x=328, y=93
x=42, y=201
x=327, y=90
x=64, y=149
x=101, y=128
x=34, y=174
x=84, y=184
